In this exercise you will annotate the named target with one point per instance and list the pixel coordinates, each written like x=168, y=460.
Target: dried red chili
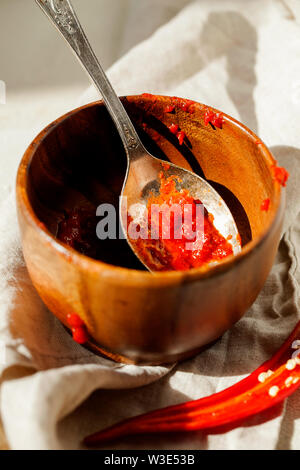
x=259, y=391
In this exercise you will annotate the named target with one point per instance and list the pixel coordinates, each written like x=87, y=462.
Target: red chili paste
x=149, y=96
x=186, y=105
x=181, y=136
x=265, y=205
x=216, y=119
x=173, y=128
x=280, y=174
x=79, y=332
x=169, y=109
x=171, y=254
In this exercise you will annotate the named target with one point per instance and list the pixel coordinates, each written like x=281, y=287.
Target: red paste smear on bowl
x=184, y=104
x=171, y=254
x=216, y=119
x=78, y=328
x=169, y=109
x=280, y=174
x=265, y=205
x=181, y=135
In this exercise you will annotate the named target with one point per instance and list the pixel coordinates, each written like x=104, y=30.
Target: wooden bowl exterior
x=131, y=315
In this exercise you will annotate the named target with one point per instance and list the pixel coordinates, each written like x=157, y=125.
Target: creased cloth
x=241, y=57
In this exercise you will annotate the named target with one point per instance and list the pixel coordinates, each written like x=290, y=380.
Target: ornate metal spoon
x=143, y=168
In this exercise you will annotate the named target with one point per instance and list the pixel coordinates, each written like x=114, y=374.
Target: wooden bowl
x=132, y=315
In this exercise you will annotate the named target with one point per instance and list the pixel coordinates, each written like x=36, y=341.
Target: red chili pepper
x=169, y=109
x=173, y=128
x=265, y=205
x=246, y=398
x=180, y=136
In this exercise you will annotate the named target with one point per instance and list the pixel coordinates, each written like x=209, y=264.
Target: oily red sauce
x=170, y=253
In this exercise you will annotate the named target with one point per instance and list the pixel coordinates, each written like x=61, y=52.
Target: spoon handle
x=62, y=14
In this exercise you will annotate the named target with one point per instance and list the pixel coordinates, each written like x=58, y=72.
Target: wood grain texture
x=131, y=314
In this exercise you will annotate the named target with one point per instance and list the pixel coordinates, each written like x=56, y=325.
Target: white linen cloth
x=240, y=56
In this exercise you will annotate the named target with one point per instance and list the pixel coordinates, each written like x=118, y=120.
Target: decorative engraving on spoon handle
x=62, y=14
x=59, y=12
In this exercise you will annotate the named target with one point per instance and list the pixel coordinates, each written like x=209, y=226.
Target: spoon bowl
x=142, y=181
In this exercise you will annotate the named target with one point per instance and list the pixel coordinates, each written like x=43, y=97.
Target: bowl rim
x=127, y=274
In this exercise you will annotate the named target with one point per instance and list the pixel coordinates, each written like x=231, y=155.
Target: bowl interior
x=81, y=163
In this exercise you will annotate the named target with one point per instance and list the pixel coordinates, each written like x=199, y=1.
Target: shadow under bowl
x=132, y=315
